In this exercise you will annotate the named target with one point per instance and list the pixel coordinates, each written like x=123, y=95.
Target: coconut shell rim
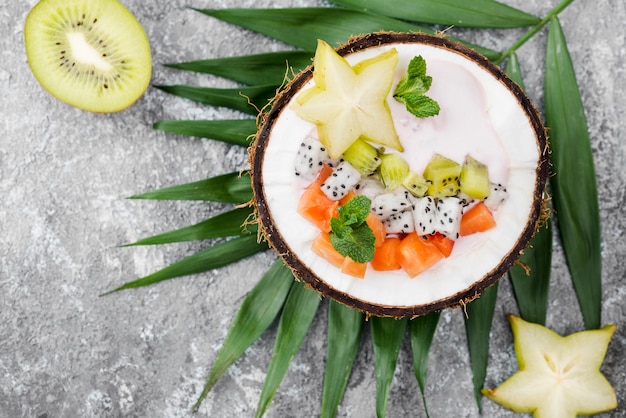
x=301, y=272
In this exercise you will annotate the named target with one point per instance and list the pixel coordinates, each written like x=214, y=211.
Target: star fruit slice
x=350, y=102
x=558, y=377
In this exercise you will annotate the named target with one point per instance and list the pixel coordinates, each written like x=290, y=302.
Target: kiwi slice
x=91, y=54
x=474, y=178
x=393, y=170
x=363, y=156
x=443, y=174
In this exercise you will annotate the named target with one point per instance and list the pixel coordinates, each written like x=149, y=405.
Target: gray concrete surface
x=64, y=178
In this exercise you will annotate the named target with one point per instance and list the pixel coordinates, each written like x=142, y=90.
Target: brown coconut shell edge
x=272, y=235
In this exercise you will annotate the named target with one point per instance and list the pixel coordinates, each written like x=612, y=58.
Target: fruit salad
x=400, y=173
x=346, y=156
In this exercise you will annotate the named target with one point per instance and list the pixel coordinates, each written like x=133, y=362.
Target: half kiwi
x=477, y=100
x=91, y=54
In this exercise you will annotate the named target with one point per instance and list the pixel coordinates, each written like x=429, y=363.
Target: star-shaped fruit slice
x=558, y=377
x=350, y=102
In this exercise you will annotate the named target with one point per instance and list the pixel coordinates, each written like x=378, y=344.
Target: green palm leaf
x=245, y=99
x=387, y=335
x=301, y=27
x=227, y=224
x=216, y=256
x=235, y=132
x=514, y=71
x=298, y=313
x=531, y=284
x=226, y=188
x=422, y=330
x=532, y=287
x=256, y=313
x=475, y=13
x=573, y=184
x=258, y=69
x=477, y=327
x=345, y=326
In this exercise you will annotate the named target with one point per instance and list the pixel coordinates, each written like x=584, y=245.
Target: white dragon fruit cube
x=400, y=223
x=387, y=204
x=497, y=196
x=370, y=187
x=311, y=156
x=465, y=199
x=449, y=213
x=343, y=178
x=424, y=215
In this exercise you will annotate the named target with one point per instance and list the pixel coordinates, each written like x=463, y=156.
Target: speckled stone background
x=64, y=178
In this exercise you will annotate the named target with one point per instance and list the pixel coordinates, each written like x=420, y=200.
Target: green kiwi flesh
x=91, y=54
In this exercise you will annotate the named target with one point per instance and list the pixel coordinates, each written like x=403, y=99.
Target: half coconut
x=482, y=113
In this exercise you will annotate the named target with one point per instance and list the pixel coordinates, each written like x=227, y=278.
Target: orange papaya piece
x=385, y=256
x=353, y=268
x=477, y=219
x=416, y=254
x=322, y=247
x=443, y=243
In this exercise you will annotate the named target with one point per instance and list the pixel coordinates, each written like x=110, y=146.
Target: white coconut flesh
x=479, y=116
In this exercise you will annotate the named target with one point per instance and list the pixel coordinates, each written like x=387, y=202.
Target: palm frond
x=226, y=188
x=387, y=336
x=227, y=224
x=258, y=310
x=216, y=256
x=245, y=99
x=301, y=27
x=345, y=327
x=422, y=330
x=263, y=73
x=298, y=314
x=258, y=69
x=475, y=13
x=531, y=277
x=234, y=131
x=477, y=327
x=574, y=189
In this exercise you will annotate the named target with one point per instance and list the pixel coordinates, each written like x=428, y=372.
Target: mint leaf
x=339, y=229
x=417, y=67
x=415, y=79
x=350, y=235
x=411, y=88
x=358, y=244
x=355, y=211
x=420, y=106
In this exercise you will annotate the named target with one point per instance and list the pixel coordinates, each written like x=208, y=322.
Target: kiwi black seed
x=92, y=54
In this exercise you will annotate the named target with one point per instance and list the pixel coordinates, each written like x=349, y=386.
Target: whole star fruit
x=558, y=377
x=350, y=102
